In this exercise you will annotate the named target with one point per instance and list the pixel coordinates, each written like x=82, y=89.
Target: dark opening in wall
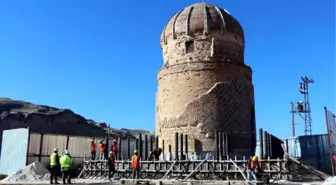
x=189, y=46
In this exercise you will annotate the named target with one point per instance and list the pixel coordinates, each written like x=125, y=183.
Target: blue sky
x=100, y=58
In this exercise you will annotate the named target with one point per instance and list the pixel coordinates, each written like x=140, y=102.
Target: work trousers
x=251, y=176
x=93, y=155
x=66, y=176
x=135, y=172
x=102, y=155
x=111, y=170
x=53, y=174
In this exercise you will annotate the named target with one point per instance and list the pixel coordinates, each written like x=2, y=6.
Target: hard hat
x=66, y=152
x=92, y=140
x=255, y=158
x=114, y=141
x=136, y=151
x=111, y=152
x=55, y=150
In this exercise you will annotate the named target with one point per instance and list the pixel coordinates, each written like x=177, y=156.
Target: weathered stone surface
x=204, y=84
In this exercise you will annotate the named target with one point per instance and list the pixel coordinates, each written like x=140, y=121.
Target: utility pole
x=303, y=107
x=293, y=111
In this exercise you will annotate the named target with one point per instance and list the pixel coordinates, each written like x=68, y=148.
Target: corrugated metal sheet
x=294, y=148
x=315, y=145
x=53, y=141
x=14, y=150
x=332, y=126
x=124, y=147
x=34, y=144
x=308, y=146
x=79, y=146
x=312, y=150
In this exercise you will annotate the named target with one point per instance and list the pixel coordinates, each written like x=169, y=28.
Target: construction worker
x=135, y=164
x=102, y=148
x=253, y=168
x=111, y=163
x=66, y=164
x=93, y=149
x=115, y=148
x=54, y=166
x=155, y=154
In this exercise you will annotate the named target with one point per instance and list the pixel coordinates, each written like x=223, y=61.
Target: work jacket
x=114, y=148
x=54, y=160
x=254, y=166
x=102, y=147
x=111, y=160
x=66, y=161
x=92, y=147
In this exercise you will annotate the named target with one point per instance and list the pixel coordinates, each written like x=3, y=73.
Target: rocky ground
x=47, y=119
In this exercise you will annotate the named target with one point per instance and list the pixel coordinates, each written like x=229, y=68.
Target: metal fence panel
x=14, y=150
x=294, y=148
x=314, y=145
x=34, y=144
x=79, y=146
x=53, y=141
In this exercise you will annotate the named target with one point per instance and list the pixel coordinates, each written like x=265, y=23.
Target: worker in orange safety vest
x=93, y=149
x=102, y=148
x=135, y=164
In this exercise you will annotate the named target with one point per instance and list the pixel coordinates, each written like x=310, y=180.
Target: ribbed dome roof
x=201, y=19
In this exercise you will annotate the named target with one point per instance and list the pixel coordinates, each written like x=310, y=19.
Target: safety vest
x=254, y=164
x=135, y=162
x=65, y=161
x=93, y=147
x=102, y=147
x=53, y=161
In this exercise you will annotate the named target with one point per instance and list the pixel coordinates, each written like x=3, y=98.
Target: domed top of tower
x=202, y=19
x=202, y=33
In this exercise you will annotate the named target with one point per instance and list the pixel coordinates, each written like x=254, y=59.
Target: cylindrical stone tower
x=204, y=85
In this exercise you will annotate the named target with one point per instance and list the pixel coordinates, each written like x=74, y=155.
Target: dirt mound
x=33, y=172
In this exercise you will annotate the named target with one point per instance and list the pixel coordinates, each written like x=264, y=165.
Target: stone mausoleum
x=204, y=85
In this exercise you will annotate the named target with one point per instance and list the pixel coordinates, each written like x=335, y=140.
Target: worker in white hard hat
x=66, y=164
x=54, y=164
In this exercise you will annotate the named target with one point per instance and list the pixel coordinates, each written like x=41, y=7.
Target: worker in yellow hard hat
x=253, y=168
x=135, y=164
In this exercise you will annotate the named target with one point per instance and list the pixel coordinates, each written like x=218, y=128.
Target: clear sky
x=100, y=58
